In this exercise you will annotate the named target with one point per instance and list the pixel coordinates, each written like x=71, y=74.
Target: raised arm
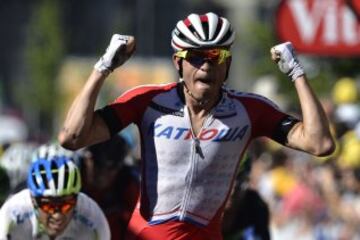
x=83, y=126
x=312, y=134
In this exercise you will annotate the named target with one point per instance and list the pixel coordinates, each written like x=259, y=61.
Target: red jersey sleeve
x=130, y=106
x=266, y=118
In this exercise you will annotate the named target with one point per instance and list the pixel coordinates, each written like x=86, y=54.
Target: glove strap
x=296, y=71
x=100, y=67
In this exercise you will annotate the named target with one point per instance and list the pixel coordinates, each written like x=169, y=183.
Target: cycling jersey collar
x=180, y=91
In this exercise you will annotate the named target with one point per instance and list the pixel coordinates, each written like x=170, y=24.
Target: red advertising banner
x=321, y=27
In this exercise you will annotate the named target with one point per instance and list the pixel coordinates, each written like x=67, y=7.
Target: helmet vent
x=33, y=176
x=76, y=180
x=55, y=173
x=218, y=28
x=193, y=31
x=43, y=175
x=206, y=29
x=226, y=37
x=66, y=175
x=185, y=39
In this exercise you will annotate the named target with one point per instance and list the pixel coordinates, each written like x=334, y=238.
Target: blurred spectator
x=4, y=185
x=267, y=86
x=288, y=188
x=307, y=197
x=350, y=150
x=112, y=183
x=12, y=129
x=16, y=161
x=345, y=91
x=346, y=96
x=357, y=130
x=278, y=179
x=247, y=215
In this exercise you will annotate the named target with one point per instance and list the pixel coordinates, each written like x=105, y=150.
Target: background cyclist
x=195, y=131
x=52, y=206
x=112, y=182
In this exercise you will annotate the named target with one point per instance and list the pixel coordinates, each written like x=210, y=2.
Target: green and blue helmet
x=53, y=172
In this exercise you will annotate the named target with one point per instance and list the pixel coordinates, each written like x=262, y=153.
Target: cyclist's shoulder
x=249, y=98
x=87, y=211
x=244, y=95
x=150, y=89
x=86, y=204
x=18, y=211
x=20, y=201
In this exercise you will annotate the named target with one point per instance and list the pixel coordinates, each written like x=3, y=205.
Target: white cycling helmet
x=53, y=172
x=202, y=31
x=16, y=161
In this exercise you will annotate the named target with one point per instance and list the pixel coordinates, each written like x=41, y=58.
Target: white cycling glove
x=115, y=55
x=287, y=60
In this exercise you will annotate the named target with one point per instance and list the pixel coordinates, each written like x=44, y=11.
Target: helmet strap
x=198, y=101
x=180, y=69
x=227, y=69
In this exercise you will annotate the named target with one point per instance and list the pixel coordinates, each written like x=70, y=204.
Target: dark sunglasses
x=53, y=205
x=217, y=55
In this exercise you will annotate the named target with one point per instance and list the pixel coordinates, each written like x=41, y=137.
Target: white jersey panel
x=190, y=178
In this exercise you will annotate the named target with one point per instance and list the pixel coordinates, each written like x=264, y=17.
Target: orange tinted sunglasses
x=217, y=55
x=53, y=205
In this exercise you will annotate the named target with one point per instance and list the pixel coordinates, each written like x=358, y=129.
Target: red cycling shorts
x=139, y=229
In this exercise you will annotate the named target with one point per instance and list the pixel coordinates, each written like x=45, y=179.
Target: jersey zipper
x=196, y=152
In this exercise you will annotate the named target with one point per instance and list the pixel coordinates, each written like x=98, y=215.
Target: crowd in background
x=307, y=197
x=280, y=192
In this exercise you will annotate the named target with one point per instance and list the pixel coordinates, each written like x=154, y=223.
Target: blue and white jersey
x=18, y=220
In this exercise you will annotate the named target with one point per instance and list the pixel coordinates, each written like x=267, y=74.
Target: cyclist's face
x=55, y=213
x=203, y=78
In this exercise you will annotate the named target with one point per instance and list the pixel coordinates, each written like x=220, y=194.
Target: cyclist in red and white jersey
x=195, y=131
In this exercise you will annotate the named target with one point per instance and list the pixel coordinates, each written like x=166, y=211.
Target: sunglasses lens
x=213, y=55
x=195, y=58
x=58, y=206
x=47, y=208
x=66, y=207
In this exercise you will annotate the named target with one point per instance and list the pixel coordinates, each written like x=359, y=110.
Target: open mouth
x=56, y=225
x=204, y=80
